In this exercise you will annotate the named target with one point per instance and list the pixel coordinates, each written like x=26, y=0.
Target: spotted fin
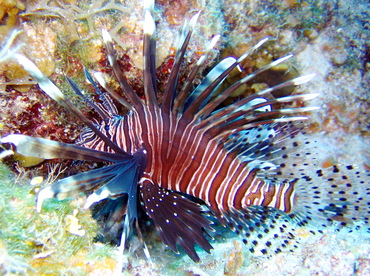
x=276, y=150
x=338, y=195
x=252, y=144
x=177, y=219
x=263, y=229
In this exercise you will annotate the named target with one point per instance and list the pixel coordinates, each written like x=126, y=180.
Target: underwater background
x=329, y=38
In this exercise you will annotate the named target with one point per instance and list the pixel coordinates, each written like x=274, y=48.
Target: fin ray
x=149, y=74
x=129, y=92
x=47, y=149
x=263, y=229
x=171, y=87
x=53, y=91
x=178, y=220
x=85, y=181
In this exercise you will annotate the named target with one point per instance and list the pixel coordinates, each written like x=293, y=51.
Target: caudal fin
x=339, y=195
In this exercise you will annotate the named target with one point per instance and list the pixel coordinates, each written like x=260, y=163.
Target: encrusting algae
x=279, y=169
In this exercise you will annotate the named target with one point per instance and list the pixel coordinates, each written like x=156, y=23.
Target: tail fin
x=285, y=155
x=336, y=194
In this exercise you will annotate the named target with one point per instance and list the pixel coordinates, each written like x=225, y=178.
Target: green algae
x=45, y=243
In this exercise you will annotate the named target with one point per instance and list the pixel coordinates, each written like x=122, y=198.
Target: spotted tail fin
x=288, y=154
x=292, y=188
x=338, y=195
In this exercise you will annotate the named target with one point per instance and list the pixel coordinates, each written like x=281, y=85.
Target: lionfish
x=182, y=151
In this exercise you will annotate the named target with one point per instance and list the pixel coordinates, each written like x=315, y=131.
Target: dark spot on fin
x=264, y=230
x=342, y=198
x=177, y=219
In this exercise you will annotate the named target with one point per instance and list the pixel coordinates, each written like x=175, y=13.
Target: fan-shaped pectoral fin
x=177, y=219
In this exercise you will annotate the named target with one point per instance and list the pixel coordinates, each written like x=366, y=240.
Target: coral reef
x=64, y=36
x=329, y=38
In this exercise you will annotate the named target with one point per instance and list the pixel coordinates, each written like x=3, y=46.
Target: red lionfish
x=242, y=161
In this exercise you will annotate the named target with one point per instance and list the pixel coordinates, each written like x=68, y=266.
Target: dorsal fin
x=188, y=85
x=126, y=88
x=107, y=105
x=203, y=94
x=149, y=75
x=208, y=80
x=171, y=87
x=53, y=91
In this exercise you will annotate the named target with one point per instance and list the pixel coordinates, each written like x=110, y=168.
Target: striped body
x=182, y=157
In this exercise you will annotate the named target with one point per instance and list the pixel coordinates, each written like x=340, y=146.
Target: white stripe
x=191, y=146
x=274, y=197
x=282, y=201
x=253, y=188
x=236, y=185
x=201, y=171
